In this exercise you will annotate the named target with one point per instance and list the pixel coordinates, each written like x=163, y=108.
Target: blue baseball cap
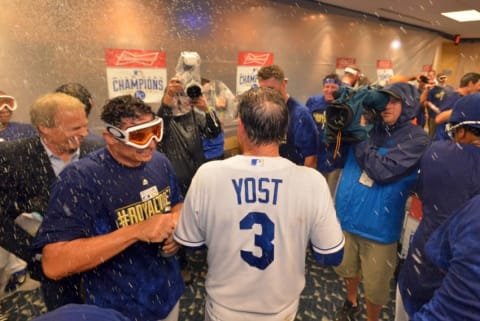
x=466, y=112
x=82, y=312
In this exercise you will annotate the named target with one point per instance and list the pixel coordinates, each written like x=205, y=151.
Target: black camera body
x=194, y=91
x=343, y=115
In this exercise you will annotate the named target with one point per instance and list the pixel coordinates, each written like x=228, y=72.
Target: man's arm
x=311, y=161
x=443, y=117
x=61, y=259
x=397, y=162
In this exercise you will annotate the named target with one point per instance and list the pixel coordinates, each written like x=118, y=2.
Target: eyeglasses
x=8, y=102
x=139, y=136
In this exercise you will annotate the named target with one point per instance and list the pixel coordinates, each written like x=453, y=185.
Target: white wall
x=46, y=43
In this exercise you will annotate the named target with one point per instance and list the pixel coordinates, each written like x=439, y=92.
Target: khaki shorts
x=374, y=262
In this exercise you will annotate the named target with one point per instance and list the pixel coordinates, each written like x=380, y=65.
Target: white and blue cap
x=466, y=112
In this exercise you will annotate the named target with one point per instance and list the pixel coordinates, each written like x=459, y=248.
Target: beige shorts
x=374, y=262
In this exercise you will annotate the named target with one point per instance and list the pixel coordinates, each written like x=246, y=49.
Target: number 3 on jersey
x=263, y=241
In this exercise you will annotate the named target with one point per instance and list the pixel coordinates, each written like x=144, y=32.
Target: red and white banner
x=142, y=73
x=342, y=63
x=248, y=65
x=427, y=68
x=384, y=71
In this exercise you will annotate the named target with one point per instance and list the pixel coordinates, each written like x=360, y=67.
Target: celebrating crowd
x=103, y=221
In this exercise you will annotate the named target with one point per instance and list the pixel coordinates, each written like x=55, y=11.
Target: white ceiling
x=421, y=13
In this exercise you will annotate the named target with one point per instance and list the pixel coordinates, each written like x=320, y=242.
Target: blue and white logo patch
x=258, y=162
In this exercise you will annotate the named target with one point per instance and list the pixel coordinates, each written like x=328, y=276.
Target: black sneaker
x=347, y=312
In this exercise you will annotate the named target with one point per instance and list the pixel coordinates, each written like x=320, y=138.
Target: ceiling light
x=463, y=16
x=395, y=44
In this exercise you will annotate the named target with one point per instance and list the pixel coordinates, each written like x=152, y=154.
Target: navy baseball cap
x=466, y=112
x=395, y=90
x=82, y=312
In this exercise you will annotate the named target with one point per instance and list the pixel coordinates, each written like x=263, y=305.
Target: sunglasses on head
x=139, y=136
x=8, y=102
x=452, y=128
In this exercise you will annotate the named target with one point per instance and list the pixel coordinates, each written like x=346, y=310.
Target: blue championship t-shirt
x=98, y=195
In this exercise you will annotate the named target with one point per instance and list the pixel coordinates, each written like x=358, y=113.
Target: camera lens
x=194, y=91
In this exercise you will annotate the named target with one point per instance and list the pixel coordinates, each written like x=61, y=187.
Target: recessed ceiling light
x=463, y=16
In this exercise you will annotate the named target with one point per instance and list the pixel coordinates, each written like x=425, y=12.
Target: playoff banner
x=384, y=71
x=142, y=73
x=248, y=65
x=341, y=64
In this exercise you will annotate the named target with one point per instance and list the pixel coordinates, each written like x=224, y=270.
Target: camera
x=344, y=114
x=194, y=91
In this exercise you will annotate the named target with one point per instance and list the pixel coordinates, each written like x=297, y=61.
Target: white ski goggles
x=139, y=136
x=8, y=102
x=450, y=129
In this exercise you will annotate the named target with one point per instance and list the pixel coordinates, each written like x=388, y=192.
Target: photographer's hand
x=173, y=90
x=201, y=103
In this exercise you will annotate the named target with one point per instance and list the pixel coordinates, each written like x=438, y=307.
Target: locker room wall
x=46, y=43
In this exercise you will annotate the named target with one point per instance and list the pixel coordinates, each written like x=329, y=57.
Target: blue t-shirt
x=447, y=103
x=97, y=195
x=302, y=133
x=17, y=131
x=436, y=95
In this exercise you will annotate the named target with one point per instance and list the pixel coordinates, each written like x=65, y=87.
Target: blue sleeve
x=394, y=158
x=455, y=248
x=309, y=103
x=332, y=259
x=306, y=135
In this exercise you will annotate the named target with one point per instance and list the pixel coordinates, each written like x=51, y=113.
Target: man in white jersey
x=258, y=232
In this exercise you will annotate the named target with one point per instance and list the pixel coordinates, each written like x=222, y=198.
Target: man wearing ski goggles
x=7, y=102
x=130, y=192
x=11, y=130
x=141, y=135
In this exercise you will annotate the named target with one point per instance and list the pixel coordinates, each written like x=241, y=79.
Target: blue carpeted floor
x=322, y=294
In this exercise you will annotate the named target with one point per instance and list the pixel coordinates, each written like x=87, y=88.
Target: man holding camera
x=370, y=200
x=187, y=119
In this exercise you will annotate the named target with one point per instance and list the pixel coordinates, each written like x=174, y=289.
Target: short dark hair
x=78, y=91
x=272, y=71
x=469, y=77
x=126, y=106
x=264, y=115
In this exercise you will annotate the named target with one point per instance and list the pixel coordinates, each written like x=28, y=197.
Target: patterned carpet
x=322, y=294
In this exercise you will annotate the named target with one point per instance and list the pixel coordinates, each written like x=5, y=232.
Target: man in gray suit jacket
x=28, y=167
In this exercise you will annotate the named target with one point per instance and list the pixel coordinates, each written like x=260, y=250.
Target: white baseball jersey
x=256, y=215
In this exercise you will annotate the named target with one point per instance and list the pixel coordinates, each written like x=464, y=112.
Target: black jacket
x=182, y=141
x=27, y=175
